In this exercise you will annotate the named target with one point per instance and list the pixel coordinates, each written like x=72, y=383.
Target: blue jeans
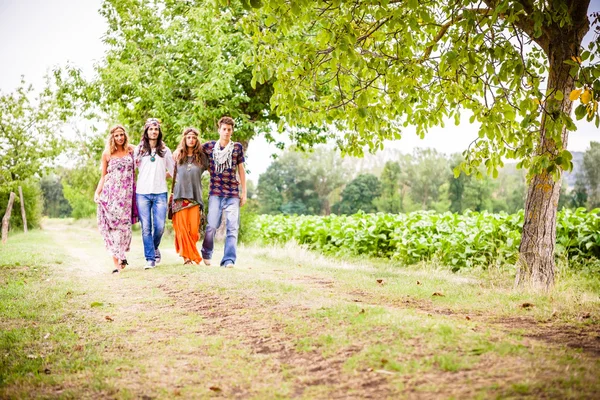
x=216, y=206
x=152, y=209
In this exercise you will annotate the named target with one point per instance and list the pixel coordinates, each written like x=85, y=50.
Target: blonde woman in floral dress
x=115, y=196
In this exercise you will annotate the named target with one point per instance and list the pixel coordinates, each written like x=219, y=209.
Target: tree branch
x=366, y=35
x=526, y=23
x=444, y=28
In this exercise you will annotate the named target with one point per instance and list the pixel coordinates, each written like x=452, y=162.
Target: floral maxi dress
x=115, y=206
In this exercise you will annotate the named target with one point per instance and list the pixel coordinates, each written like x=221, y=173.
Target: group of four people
x=122, y=199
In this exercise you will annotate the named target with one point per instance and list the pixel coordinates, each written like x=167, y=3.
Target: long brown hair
x=111, y=146
x=144, y=145
x=180, y=155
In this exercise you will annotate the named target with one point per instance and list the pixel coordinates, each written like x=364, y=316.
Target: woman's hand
x=96, y=198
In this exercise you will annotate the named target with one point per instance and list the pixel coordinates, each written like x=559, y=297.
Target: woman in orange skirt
x=187, y=206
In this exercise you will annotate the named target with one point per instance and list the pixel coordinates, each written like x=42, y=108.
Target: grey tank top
x=188, y=182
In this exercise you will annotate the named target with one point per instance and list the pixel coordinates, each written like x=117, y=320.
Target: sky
x=38, y=35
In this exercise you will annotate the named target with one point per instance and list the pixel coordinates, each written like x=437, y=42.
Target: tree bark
x=536, y=266
x=23, y=214
x=325, y=207
x=6, y=219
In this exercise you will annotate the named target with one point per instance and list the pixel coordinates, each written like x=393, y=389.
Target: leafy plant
x=472, y=239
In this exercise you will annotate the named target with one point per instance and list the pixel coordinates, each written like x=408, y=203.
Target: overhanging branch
x=444, y=28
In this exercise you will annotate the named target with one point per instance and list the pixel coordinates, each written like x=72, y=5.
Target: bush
x=55, y=204
x=32, y=196
x=79, y=185
x=248, y=214
x=81, y=204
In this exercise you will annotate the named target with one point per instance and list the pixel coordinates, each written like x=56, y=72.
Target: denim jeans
x=152, y=209
x=216, y=206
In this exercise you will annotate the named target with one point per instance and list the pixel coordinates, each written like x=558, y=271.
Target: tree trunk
x=536, y=266
x=23, y=214
x=6, y=219
x=325, y=207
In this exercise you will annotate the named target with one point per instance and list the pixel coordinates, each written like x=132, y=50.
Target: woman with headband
x=187, y=205
x=115, y=195
x=154, y=161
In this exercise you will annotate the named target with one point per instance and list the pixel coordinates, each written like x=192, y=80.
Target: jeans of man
x=152, y=209
x=216, y=206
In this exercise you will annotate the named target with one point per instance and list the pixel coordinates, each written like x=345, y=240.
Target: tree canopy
x=370, y=68
x=30, y=129
x=359, y=195
x=178, y=61
x=30, y=140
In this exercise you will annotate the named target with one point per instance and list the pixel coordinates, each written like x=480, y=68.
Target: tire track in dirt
x=584, y=337
x=229, y=317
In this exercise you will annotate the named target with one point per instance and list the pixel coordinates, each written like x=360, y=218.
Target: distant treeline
x=322, y=182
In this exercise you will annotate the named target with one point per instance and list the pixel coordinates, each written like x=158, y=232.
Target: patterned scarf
x=222, y=157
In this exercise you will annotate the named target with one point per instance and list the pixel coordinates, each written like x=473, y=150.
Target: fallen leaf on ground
x=215, y=388
x=586, y=315
x=380, y=281
x=383, y=371
x=418, y=283
x=526, y=305
x=46, y=336
x=96, y=304
x=468, y=318
x=47, y=371
x=108, y=318
x=438, y=294
x=362, y=311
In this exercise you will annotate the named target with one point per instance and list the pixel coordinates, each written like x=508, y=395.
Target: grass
x=39, y=340
x=285, y=323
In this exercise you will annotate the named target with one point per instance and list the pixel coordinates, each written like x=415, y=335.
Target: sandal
x=188, y=262
x=123, y=263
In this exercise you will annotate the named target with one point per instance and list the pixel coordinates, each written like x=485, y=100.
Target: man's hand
x=243, y=199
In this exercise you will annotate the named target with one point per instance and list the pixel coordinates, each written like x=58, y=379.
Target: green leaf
x=580, y=111
x=559, y=95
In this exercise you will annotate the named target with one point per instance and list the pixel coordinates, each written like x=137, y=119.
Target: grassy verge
x=40, y=339
x=285, y=323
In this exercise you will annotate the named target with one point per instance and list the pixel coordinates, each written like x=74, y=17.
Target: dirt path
x=287, y=324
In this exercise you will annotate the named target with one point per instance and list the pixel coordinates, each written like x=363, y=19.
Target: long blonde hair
x=200, y=157
x=111, y=146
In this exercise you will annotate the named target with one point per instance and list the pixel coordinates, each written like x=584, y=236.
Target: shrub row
x=457, y=240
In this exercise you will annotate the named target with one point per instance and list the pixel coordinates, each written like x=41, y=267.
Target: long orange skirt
x=185, y=224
